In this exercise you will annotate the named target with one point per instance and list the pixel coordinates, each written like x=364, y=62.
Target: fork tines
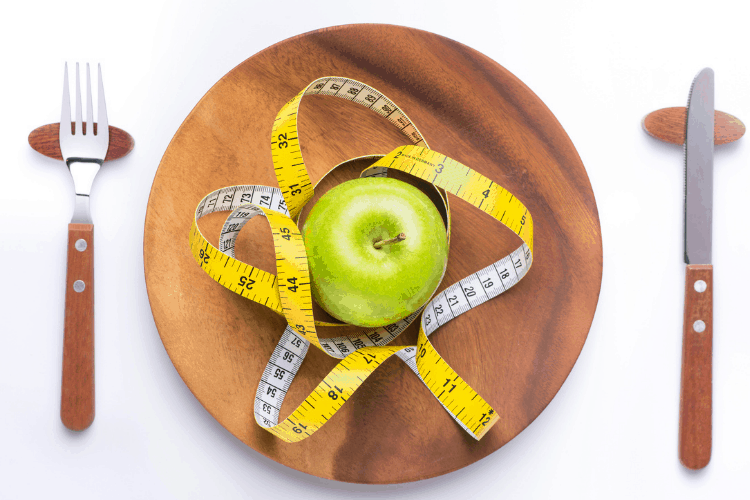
x=79, y=124
x=76, y=139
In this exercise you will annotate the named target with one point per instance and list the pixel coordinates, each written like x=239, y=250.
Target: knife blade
x=697, y=340
x=699, y=169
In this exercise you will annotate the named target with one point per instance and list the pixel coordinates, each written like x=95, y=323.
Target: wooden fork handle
x=77, y=402
x=695, y=390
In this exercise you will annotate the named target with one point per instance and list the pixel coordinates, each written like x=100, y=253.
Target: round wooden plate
x=515, y=350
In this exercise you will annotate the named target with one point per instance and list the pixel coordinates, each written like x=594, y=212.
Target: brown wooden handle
x=77, y=403
x=695, y=390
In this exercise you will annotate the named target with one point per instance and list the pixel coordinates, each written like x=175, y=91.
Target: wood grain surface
x=515, y=350
x=46, y=140
x=668, y=125
x=77, y=400
x=697, y=366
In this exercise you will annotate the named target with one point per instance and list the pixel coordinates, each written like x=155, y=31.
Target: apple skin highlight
x=353, y=280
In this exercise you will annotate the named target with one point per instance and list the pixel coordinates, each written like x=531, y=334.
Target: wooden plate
x=515, y=350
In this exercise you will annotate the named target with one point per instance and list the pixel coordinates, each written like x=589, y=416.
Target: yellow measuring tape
x=288, y=292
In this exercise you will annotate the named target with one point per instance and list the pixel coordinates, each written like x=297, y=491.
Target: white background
x=611, y=432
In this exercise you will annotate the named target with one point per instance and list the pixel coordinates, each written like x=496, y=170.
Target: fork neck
x=83, y=172
x=82, y=211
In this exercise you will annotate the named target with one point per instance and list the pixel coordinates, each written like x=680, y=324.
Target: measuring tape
x=288, y=292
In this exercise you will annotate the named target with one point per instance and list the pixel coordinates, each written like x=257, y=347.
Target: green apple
x=376, y=248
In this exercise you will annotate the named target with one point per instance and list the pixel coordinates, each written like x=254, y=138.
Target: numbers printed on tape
x=288, y=292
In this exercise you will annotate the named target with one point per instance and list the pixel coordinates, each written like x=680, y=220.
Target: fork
x=84, y=146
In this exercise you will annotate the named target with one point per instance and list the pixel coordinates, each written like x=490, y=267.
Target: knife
x=695, y=387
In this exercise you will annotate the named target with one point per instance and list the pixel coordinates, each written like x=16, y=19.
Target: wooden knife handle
x=695, y=390
x=77, y=402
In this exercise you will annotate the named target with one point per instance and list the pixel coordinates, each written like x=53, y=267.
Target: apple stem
x=381, y=243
